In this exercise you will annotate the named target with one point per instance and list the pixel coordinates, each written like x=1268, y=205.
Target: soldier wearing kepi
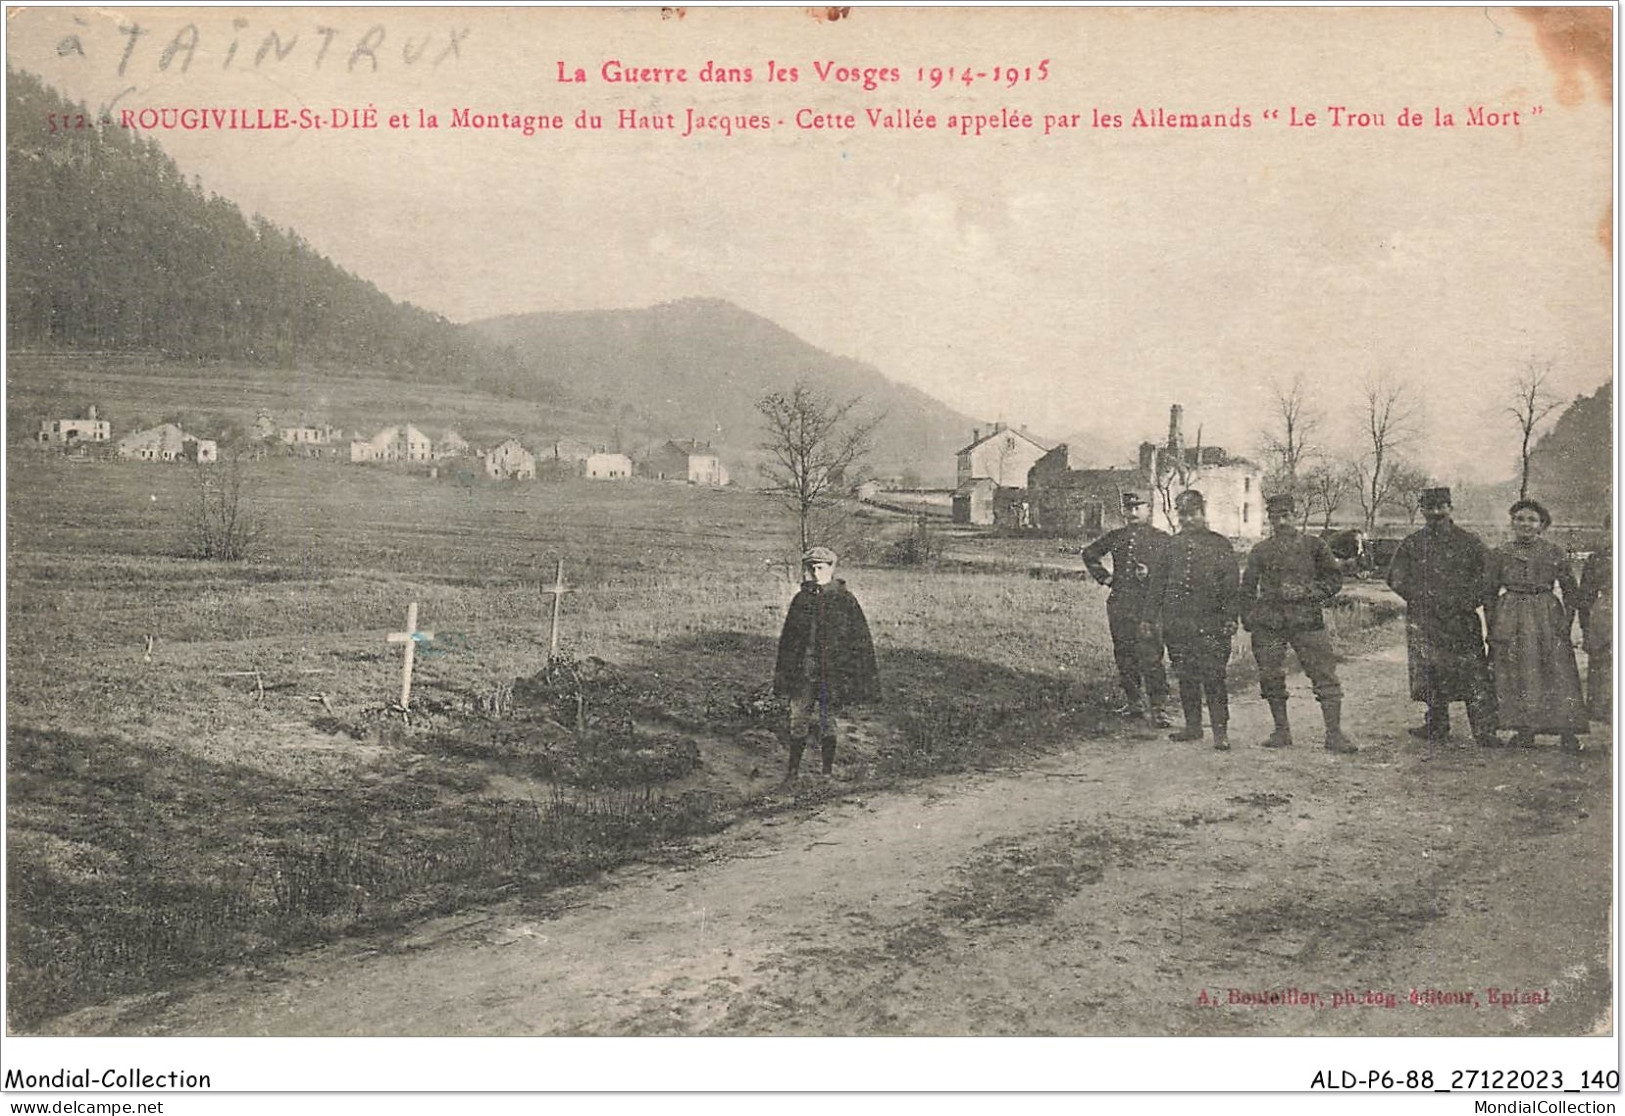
x=1290, y=578
x=1138, y=552
x=1443, y=575
x=826, y=659
x=1194, y=601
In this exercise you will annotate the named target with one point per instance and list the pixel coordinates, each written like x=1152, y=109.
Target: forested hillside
x=110, y=249
x=1572, y=467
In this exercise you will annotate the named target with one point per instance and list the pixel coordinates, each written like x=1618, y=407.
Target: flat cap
x=1280, y=502
x=817, y=554
x=1132, y=500
x=1434, y=497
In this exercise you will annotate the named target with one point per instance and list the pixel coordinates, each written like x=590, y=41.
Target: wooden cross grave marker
x=558, y=590
x=411, y=637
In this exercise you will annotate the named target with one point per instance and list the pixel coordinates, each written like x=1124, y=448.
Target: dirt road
x=1101, y=892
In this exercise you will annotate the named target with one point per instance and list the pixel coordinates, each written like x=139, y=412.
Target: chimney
x=91, y=414
x=1176, y=437
x=975, y=434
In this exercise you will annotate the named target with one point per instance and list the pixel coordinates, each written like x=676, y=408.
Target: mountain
x=696, y=367
x=1571, y=468
x=110, y=250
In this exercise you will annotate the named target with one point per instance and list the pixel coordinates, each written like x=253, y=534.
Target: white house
x=510, y=460
x=394, y=444
x=1235, y=507
x=1229, y=485
x=167, y=443
x=72, y=431
x=1000, y=454
x=973, y=501
x=299, y=436
x=687, y=460
x=607, y=466
x=706, y=468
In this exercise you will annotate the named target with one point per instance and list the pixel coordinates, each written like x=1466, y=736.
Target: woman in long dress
x=1537, y=683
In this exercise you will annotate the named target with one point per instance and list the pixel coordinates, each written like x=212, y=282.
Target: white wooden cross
x=558, y=590
x=411, y=637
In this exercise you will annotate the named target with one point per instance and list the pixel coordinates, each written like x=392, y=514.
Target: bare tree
x=1326, y=485
x=1387, y=422
x=1175, y=472
x=1289, y=445
x=1533, y=401
x=1405, y=484
x=1005, y=454
x=220, y=521
x=814, y=445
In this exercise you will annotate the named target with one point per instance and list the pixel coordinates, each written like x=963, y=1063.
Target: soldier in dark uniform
x=1290, y=577
x=1596, y=602
x=826, y=658
x=1138, y=552
x=1443, y=574
x=1195, y=603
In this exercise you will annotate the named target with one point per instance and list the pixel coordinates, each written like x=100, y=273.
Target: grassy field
x=203, y=767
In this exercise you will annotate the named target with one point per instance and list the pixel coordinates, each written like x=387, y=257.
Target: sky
x=1078, y=282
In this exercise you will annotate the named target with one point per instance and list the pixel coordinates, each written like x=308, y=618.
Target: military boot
x=1221, y=738
x=1158, y=716
x=1435, y=724
x=1481, y=717
x=1282, y=736
x=828, y=750
x=1190, y=699
x=1332, y=710
x=796, y=748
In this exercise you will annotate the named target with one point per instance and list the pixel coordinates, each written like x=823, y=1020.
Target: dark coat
x=1199, y=589
x=1289, y=579
x=1596, y=600
x=1443, y=576
x=1138, y=551
x=826, y=645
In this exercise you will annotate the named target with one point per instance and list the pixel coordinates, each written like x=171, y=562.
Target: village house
x=167, y=443
x=973, y=501
x=1235, y=506
x=309, y=436
x=392, y=445
x=265, y=429
x=1001, y=454
x=685, y=460
x=607, y=466
x=509, y=461
x=74, y=431
x=1064, y=501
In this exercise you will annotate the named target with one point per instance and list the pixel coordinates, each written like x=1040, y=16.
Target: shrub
x=219, y=519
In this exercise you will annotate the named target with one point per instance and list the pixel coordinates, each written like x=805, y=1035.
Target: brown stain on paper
x=1578, y=42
